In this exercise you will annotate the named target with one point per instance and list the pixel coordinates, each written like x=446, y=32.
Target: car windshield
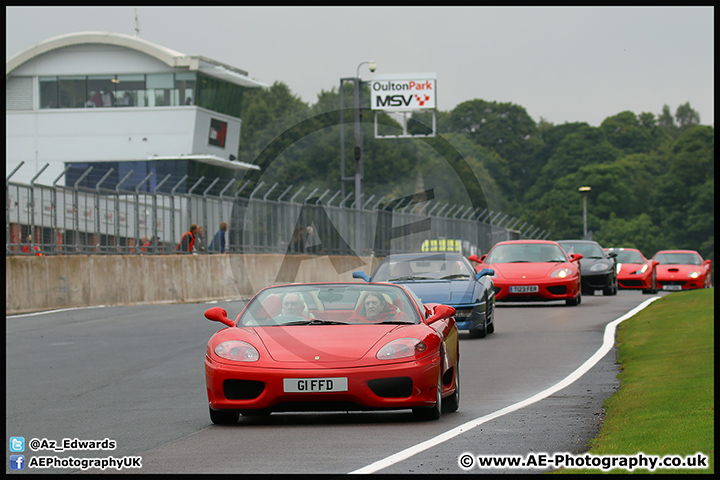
x=526, y=253
x=587, y=250
x=628, y=256
x=329, y=304
x=678, y=259
x=424, y=268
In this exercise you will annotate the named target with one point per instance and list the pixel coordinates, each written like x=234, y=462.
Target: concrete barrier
x=51, y=282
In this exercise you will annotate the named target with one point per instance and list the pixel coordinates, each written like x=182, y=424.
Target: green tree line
x=651, y=175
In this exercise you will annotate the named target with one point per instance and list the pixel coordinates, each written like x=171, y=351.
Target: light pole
x=359, y=167
x=584, y=191
x=357, y=116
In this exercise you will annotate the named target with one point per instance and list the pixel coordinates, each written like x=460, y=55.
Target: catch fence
x=65, y=220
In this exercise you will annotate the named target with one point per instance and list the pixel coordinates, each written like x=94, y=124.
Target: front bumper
x=597, y=281
x=562, y=289
x=393, y=386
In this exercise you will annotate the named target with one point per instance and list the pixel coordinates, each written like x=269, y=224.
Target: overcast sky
x=563, y=64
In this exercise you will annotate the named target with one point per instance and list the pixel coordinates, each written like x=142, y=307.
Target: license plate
x=672, y=287
x=524, y=289
x=314, y=385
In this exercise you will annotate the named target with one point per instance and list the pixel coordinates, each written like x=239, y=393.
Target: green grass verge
x=666, y=401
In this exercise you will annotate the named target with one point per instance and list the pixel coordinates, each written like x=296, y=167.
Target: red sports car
x=634, y=271
x=682, y=270
x=532, y=271
x=333, y=347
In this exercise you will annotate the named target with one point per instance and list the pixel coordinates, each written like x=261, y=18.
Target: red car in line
x=634, y=271
x=532, y=271
x=333, y=347
x=682, y=270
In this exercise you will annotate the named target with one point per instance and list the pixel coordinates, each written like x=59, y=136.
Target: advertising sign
x=403, y=92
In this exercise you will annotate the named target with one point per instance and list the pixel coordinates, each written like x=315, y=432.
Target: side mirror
x=708, y=261
x=483, y=272
x=440, y=312
x=362, y=275
x=575, y=257
x=217, y=314
x=654, y=263
x=474, y=258
x=612, y=254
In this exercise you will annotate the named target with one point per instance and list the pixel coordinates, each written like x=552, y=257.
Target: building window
x=219, y=96
x=185, y=88
x=160, y=86
x=101, y=91
x=48, y=92
x=131, y=91
x=72, y=91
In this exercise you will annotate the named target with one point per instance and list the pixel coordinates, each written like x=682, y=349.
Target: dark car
x=444, y=278
x=598, y=267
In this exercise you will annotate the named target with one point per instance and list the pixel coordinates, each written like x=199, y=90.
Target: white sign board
x=403, y=92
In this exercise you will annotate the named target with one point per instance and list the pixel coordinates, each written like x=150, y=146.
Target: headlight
x=695, y=274
x=237, y=351
x=463, y=313
x=401, y=348
x=598, y=267
x=642, y=270
x=561, y=273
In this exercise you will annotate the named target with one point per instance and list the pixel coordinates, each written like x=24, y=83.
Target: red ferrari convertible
x=682, y=270
x=532, y=271
x=634, y=271
x=333, y=347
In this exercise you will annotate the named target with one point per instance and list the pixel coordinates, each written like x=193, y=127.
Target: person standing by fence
x=217, y=245
x=187, y=241
x=199, y=245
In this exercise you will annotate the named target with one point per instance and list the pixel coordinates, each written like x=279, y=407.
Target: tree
x=686, y=117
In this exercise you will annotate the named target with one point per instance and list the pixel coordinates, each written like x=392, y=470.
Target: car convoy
x=393, y=342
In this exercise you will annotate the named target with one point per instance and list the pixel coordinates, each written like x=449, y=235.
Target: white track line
x=608, y=343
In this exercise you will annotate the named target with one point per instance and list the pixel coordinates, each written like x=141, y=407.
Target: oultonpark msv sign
x=403, y=92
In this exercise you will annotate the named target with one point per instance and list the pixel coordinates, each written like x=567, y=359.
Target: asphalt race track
x=134, y=375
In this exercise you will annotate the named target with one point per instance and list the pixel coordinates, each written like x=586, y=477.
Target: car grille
x=396, y=387
x=630, y=283
x=673, y=282
x=558, y=289
x=242, y=389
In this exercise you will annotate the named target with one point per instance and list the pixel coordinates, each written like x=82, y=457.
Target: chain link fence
x=65, y=220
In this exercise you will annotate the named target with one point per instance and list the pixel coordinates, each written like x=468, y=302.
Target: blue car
x=445, y=278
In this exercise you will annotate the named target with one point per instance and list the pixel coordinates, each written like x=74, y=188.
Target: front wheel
x=224, y=417
x=573, y=302
x=451, y=403
x=431, y=413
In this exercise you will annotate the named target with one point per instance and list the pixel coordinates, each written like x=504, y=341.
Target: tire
x=431, y=413
x=573, y=302
x=224, y=417
x=490, y=327
x=480, y=332
x=451, y=403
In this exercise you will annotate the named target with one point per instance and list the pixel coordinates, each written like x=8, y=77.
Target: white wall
x=108, y=134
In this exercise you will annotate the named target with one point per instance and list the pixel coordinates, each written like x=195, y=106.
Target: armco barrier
x=43, y=283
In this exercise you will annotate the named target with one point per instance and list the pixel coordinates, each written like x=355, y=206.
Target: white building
x=119, y=104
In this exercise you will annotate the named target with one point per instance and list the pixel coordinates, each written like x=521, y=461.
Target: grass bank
x=666, y=401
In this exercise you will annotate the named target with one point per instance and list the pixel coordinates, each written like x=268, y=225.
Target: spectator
x=28, y=247
x=187, y=241
x=199, y=246
x=127, y=100
x=218, y=242
x=108, y=98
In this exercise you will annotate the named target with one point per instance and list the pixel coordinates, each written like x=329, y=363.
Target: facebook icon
x=17, y=462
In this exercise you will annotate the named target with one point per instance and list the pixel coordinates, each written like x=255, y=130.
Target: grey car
x=598, y=268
